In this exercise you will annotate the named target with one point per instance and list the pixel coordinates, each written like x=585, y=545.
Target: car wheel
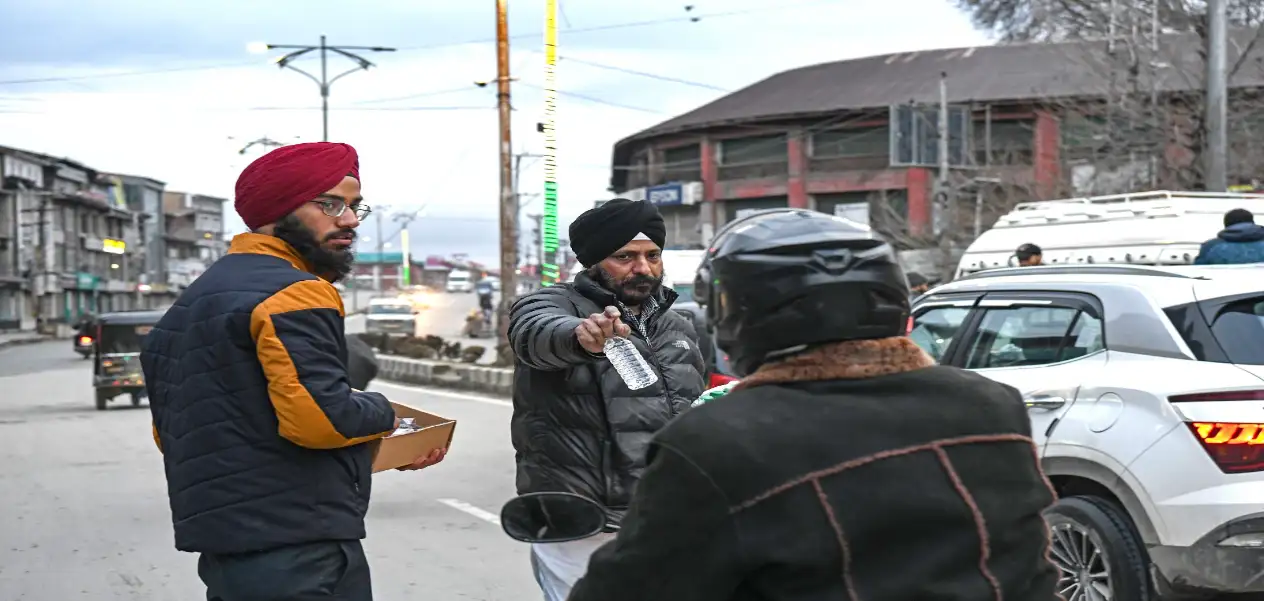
x=1096, y=551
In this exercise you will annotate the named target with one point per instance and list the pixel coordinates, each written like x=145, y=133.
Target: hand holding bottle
x=593, y=331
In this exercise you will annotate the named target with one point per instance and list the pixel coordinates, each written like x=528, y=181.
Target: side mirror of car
x=551, y=517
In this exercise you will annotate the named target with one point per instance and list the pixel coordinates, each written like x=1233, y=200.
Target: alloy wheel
x=1083, y=574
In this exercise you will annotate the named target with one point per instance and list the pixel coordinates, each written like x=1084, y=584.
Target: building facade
x=144, y=198
x=74, y=241
x=862, y=138
x=194, y=235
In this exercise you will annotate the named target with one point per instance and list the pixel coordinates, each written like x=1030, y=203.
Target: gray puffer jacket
x=576, y=427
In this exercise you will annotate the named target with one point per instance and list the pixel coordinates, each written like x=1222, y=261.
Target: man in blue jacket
x=1241, y=241
x=261, y=429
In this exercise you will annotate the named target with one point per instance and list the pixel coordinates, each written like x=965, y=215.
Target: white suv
x=1145, y=387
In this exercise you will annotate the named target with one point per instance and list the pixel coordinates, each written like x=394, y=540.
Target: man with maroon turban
x=261, y=433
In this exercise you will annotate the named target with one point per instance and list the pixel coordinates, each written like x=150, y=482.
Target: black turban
x=597, y=233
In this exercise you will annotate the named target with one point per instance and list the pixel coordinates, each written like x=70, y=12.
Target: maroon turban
x=279, y=182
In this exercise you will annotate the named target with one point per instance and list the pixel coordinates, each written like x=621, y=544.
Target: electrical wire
x=255, y=63
x=594, y=99
x=687, y=82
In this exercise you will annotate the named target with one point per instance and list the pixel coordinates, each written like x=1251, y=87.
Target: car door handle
x=1045, y=402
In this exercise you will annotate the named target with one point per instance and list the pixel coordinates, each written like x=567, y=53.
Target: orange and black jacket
x=258, y=425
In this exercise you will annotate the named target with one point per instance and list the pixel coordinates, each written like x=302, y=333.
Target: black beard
x=626, y=291
x=333, y=265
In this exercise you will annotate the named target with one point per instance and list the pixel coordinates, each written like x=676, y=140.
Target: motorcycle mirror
x=551, y=517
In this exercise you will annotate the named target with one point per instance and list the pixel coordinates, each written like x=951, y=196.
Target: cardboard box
x=398, y=451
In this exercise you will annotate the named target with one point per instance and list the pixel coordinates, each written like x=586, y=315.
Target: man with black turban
x=577, y=427
x=262, y=432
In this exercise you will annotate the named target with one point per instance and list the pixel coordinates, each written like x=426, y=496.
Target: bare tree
x=1059, y=20
x=1140, y=121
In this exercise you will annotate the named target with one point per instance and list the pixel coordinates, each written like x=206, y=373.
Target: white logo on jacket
x=684, y=344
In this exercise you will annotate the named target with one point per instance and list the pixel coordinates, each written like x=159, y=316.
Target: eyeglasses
x=335, y=208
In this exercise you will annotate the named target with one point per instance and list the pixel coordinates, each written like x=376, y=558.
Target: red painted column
x=707, y=153
x=796, y=184
x=919, y=201
x=1047, y=170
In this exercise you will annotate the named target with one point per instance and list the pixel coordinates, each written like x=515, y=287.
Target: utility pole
x=1215, y=147
x=508, y=201
x=944, y=200
x=381, y=250
x=324, y=81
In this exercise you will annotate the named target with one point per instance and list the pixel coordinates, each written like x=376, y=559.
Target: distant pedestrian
x=1029, y=255
x=1241, y=241
x=576, y=425
x=918, y=284
x=261, y=431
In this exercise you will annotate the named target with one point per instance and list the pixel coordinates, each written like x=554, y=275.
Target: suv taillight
x=85, y=340
x=1235, y=448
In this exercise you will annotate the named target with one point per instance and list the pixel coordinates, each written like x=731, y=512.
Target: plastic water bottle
x=636, y=373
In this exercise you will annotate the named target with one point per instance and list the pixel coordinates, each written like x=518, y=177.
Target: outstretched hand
x=593, y=331
x=425, y=461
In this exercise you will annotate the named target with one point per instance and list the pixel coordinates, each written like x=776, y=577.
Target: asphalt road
x=86, y=516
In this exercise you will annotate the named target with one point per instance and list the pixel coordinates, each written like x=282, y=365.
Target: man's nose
x=348, y=219
x=641, y=266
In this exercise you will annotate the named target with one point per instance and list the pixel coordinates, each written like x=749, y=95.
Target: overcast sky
x=158, y=89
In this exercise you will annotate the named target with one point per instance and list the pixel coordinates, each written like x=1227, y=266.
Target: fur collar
x=850, y=360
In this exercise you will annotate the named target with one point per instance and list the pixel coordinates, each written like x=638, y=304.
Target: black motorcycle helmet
x=778, y=281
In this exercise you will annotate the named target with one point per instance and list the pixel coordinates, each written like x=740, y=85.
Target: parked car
x=1145, y=387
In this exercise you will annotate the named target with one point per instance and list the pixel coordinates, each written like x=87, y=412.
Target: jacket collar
x=849, y=360
x=263, y=244
x=597, y=293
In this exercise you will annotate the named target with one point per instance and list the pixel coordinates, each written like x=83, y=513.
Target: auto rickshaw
x=116, y=358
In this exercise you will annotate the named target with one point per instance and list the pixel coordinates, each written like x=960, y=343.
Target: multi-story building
x=144, y=198
x=194, y=235
x=862, y=137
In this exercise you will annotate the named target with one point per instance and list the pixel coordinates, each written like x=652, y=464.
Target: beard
x=331, y=264
x=631, y=290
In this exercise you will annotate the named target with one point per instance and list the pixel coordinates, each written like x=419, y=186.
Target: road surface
x=86, y=516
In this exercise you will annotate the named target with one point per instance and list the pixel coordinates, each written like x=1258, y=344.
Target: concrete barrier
x=461, y=376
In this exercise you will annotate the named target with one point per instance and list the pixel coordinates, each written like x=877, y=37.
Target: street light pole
x=286, y=61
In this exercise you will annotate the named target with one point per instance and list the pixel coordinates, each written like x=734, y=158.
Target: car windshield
x=390, y=310
x=685, y=291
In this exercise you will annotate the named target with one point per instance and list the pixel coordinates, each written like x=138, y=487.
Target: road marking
x=464, y=507
x=447, y=393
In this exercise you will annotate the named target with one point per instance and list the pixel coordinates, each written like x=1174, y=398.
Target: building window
x=845, y=149
x=682, y=164
x=1012, y=143
x=752, y=157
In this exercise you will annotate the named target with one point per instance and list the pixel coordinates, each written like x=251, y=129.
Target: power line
x=691, y=18
x=595, y=99
x=371, y=108
x=696, y=84
x=613, y=26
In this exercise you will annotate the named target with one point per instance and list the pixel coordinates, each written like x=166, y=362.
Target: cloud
x=427, y=135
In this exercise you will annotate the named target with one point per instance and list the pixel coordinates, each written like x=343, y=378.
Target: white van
x=1146, y=228
x=460, y=281
x=390, y=316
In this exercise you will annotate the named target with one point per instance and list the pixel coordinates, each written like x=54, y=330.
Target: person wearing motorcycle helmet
x=846, y=464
